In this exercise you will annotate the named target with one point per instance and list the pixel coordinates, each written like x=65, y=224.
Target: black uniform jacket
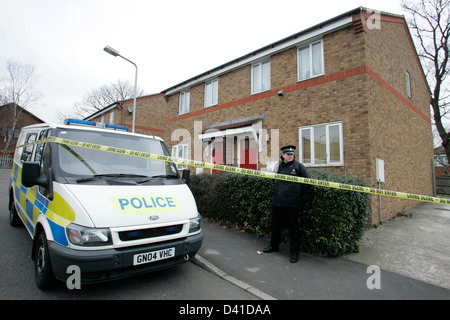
x=288, y=194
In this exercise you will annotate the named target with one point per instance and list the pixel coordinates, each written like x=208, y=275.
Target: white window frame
x=211, y=92
x=311, y=70
x=260, y=81
x=111, y=117
x=328, y=162
x=185, y=102
x=184, y=148
x=408, y=84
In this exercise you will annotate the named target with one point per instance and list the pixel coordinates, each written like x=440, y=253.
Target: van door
x=30, y=198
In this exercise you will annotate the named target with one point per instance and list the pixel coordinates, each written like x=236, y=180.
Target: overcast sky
x=170, y=40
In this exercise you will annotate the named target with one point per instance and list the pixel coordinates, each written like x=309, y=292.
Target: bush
x=212, y=197
x=251, y=198
x=333, y=221
x=234, y=200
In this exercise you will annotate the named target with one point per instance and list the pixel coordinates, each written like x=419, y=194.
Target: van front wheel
x=42, y=266
x=14, y=219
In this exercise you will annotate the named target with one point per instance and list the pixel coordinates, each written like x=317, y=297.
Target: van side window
x=45, y=166
x=40, y=147
x=27, y=152
x=43, y=156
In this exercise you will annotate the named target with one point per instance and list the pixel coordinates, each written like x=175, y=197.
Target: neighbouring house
x=25, y=118
x=349, y=92
x=441, y=162
x=150, y=109
x=442, y=171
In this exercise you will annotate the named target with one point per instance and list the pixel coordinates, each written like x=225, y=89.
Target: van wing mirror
x=185, y=177
x=31, y=175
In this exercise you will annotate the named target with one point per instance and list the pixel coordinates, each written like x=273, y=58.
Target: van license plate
x=153, y=256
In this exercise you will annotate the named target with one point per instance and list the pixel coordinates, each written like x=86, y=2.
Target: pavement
x=406, y=258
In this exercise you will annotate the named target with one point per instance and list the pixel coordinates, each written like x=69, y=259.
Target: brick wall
x=150, y=114
x=400, y=127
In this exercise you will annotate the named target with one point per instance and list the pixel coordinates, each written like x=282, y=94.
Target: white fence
x=6, y=162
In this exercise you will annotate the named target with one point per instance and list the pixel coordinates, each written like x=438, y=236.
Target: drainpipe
x=379, y=168
x=379, y=203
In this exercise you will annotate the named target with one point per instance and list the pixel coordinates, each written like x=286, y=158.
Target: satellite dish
x=130, y=109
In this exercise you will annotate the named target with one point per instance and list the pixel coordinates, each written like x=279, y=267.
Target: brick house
x=25, y=118
x=440, y=162
x=346, y=92
x=150, y=110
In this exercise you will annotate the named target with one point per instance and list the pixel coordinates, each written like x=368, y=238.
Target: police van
x=107, y=213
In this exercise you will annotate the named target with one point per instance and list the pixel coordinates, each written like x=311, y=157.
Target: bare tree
x=430, y=22
x=102, y=97
x=17, y=86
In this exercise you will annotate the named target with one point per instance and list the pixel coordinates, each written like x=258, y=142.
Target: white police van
x=109, y=214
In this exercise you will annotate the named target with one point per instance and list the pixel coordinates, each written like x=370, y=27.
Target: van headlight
x=89, y=237
x=195, y=224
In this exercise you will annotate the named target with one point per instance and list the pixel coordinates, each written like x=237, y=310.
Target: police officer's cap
x=288, y=149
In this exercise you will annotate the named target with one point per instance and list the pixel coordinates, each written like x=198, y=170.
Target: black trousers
x=289, y=216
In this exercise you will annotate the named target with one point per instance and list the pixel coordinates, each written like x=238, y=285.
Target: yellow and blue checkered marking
x=57, y=212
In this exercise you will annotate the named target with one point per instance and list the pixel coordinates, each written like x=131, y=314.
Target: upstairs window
x=261, y=77
x=211, y=93
x=408, y=84
x=185, y=101
x=310, y=61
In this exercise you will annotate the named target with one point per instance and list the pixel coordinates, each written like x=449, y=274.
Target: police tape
x=250, y=172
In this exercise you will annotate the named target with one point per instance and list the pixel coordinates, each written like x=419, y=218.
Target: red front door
x=217, y=154
x=248, y=153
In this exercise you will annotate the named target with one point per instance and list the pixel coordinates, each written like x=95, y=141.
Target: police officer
x=286, y=202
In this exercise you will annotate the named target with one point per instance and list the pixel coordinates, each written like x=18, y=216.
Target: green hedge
x=333, y=221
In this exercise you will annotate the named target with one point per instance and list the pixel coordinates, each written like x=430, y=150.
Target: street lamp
x=115, y=53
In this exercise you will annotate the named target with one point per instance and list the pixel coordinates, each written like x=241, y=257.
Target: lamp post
x=115, y=53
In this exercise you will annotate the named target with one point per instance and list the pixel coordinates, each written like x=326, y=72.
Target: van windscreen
x=84, y=162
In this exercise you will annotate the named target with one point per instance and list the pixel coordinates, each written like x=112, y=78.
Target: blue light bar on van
x=95, y=124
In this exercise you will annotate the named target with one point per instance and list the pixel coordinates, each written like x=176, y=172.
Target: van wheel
x=42, y=266
x=14, y=219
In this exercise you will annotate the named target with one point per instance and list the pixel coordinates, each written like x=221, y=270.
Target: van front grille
x=149, y=233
